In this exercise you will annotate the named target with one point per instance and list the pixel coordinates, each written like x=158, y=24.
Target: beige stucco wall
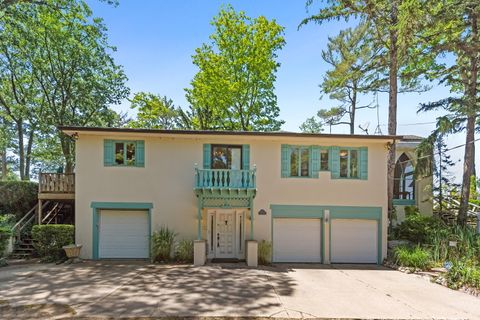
x=167, y=180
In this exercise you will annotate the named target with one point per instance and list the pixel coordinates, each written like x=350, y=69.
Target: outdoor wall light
x=262, y=212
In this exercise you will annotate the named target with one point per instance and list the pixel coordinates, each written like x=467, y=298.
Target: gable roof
x=78, y=129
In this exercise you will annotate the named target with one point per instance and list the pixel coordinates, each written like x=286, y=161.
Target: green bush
x=49, y=239
x=6, y=223
x=5, y=234
x=463, y=272
x=17, y=197
x=162, y=244
x=264, y=252
x=184, y=251
x=416, y=257
x=417, y=228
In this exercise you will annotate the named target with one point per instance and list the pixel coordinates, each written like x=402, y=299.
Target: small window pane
x=294, y=162
x=119, y=153
x=130, y=154
x=324, y=160
x=353, y=164
x=344, y=163
x=305, y=155
x=235, y=158
x=220, y=158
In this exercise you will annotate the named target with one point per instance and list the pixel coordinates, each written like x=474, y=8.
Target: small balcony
x=225, y=181
x=56, y=186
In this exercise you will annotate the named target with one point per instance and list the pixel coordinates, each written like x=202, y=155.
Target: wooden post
x=39, y=211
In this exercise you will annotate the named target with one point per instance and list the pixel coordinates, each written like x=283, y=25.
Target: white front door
x=225, y=233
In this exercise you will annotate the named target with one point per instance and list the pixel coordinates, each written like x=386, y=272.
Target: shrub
x=49, y=239
x=264, y=252
x=416, y=257
x=184, y=251
x=162, y=244
x=17, y=197
x=417, y=228
x=463, y=272
x=5, y=234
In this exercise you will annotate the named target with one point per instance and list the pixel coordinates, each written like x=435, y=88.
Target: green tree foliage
x=56, y=69
x=451, y=28
x=155, y=112
x=311, y=125
x=393, y=24
x=234, y=87
x=354, y=62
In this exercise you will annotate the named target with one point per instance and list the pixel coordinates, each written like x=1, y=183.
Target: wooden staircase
x=56, y=212
x=450, y=208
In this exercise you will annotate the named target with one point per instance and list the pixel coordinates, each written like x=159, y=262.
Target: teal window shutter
x=335, y=162
x=364, y=163
x=207, y=156
x=108, y=153
x=140, y=154
x=285, y=160
x=246, y=157
x=314, y=161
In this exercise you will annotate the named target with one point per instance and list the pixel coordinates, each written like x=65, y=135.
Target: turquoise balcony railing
x=225, y=179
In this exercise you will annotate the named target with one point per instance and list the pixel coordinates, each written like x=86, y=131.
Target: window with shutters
x=124, y=153
x=299, y=161
x=226, y=157
x=348, y=163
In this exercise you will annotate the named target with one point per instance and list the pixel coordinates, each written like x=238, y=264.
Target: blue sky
x=155, y=41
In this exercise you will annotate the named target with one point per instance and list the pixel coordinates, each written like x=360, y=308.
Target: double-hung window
x=348, y=163
x=299, y=161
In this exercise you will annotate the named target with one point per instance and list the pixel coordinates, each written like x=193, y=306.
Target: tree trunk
x=28, y=156
x=467, y=170
x=67, y=153
x=4, y=165
x=21, y=149
x=392, y=108
x=471, y=98
x=352, y=113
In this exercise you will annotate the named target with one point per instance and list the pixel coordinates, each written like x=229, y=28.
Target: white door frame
x=239, y=217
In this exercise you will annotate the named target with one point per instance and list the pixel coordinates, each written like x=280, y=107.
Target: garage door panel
x=296, y=240
x=354, y=241
x=123, y=234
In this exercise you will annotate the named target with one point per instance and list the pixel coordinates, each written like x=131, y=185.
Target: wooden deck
x=56, y=186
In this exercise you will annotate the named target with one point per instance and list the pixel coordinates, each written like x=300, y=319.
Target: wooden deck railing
x=56, y=183
x=224, y=178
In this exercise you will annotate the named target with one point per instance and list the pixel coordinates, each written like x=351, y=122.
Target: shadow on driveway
x=138, y=289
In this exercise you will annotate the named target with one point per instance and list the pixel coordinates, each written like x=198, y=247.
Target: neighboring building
x=316, y=197
x=409, y=190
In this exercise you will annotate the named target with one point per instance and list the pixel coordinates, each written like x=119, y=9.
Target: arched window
x=404, y=183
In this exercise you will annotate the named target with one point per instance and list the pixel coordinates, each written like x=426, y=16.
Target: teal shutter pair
x=207, y=156
x=314, y=161
x=335, y=162
x=109, y=153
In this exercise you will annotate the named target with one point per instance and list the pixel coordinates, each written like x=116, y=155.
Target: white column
x=199, y=252
x=252, y=253
x=326, y=236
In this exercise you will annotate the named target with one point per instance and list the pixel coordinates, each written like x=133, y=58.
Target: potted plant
x=73, y=252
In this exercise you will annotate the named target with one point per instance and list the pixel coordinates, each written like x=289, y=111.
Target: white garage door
x=123, y=234
x=296, y=240
x=353, y=241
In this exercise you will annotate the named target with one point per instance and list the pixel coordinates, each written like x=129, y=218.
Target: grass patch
x=416, y=257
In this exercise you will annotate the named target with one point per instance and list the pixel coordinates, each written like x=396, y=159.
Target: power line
x=411, y=124
x=446, y=150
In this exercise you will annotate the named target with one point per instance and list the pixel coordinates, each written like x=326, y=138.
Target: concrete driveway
x=121, y=289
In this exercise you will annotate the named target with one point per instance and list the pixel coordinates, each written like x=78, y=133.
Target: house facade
x=316, y=197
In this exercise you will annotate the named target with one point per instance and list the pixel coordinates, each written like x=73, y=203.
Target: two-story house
x=316, y=197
